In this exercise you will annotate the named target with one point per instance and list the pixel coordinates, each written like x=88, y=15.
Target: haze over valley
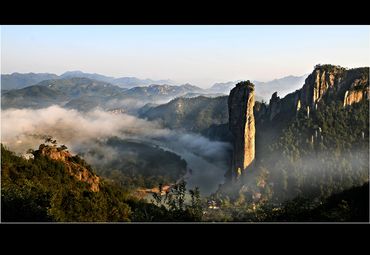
x=224, y=128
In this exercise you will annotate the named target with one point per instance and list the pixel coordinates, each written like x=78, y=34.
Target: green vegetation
x=41, y=190
x=137, y=164
x=191, y=114
x=308, y=166
x=81, y=93
x=351, y=205
x=21, y=80
x=172, y=207
x=323, y=154
x=308, y=161
x=305, y=156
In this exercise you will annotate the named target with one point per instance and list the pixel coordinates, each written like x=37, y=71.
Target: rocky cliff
x=327, y=83
x=324, y=78
x=355, y=95
x=75, y=166
x=334, y=83
x=242, y=126
x=288, y=130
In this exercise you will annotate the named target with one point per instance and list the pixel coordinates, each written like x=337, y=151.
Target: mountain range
x=191, y=114
x=21, y=80
x=85, y=94
x=312, y=142
x=86, y=91
x=301, y=149
x=263, y=90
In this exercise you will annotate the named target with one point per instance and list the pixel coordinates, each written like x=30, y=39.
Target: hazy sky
x=201, y=55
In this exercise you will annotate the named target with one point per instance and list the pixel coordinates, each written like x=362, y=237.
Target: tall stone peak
x=329, y=68
x=242, y=126
x=274, y=106
x=247, y=83
x=274, y=97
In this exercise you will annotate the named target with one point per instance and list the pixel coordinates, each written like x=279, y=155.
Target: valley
x=186, y=147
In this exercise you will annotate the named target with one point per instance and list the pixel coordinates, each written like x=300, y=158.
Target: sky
x=200, y=55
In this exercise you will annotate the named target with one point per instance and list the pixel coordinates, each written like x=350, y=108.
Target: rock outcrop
x=54, y=152
x=274, y=106
x=322, y=79
x=75, y=166
x=327, y=83
x=353, y=96
x=242, y=126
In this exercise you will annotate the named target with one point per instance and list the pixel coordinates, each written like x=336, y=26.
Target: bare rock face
x=84, y=175
x=322, y=79
x=242, y=126
x=355, y=96
x=358, y=90
x=54, y=153
x=274, y=106
x=75, y=169
x=334, y=83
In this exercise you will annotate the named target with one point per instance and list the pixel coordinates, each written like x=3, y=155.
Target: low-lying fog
x=25, y=128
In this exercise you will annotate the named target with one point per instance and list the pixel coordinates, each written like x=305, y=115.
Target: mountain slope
x=53, y=185
x=32, y=97
x=161, y=92
x=92, y=76
x=76, y=87
x=85, y=94
x=130, y=82
x=325, y=85
x=312, y=142
x=56, y=186
x=130, y=165
x=60, y=92
x=21, y=80
x=191, y=114
x=124, y=82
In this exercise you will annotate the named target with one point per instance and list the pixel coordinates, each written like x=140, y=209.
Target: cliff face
x=353, y=96
x=54, y=153
x=274, y=106
x=75, y=169
x=335, y=83
x=322, y=79
x=358, y=91
x=257, y=132
x=327, y=83
x=242, y=126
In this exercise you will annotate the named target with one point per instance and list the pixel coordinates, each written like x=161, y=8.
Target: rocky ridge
x=74, y=165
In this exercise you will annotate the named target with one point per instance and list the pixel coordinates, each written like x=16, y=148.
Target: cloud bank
x=22, y=129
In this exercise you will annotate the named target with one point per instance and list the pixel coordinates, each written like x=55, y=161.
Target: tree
x=196, y=204
x=63, y=147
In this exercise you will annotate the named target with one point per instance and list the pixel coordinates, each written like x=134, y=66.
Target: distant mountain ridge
x=125, y=82
x=58, y=91
x=85, y=94
x=22, y=80
x=264, y=90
